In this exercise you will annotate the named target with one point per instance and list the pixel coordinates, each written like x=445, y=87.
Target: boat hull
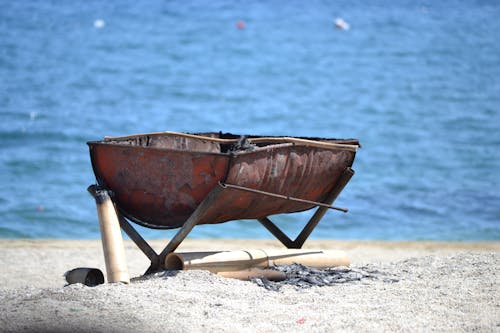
x=158, y=182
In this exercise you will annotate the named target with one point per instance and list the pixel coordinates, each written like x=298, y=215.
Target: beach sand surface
x=405, y=287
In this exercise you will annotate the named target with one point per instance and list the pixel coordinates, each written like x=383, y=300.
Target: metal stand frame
x=158, y=260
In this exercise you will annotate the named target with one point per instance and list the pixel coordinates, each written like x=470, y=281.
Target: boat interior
x=214, y=142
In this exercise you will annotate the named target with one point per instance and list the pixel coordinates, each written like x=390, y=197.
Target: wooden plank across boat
x=178, y=180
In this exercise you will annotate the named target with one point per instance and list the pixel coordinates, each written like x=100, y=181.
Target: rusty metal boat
x=161, y=180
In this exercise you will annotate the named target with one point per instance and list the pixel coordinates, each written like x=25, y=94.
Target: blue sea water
x=417, y=82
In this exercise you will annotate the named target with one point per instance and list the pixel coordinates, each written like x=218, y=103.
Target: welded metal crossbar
x=158, y=259
x=281, y=196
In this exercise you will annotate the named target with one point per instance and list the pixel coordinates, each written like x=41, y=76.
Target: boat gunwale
x=350, y=144
x=228, y=153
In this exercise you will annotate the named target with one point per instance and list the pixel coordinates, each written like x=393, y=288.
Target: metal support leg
x=313, y=222
x=137, y=239
x=185, y=229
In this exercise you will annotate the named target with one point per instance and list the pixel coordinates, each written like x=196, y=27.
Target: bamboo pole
x=312, y=258
x=214, y=262
x=111, y=237
x=253, y=273
x=230, y=261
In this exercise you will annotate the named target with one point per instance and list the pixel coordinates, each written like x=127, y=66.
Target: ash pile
x=302, y=277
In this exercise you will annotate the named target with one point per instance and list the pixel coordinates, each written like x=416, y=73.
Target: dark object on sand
x=176, y=180
x=90, y=277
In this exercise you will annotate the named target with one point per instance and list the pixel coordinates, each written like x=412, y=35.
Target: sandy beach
x=406, y=287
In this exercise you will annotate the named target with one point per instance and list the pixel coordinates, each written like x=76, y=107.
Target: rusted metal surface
x=159, y=181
